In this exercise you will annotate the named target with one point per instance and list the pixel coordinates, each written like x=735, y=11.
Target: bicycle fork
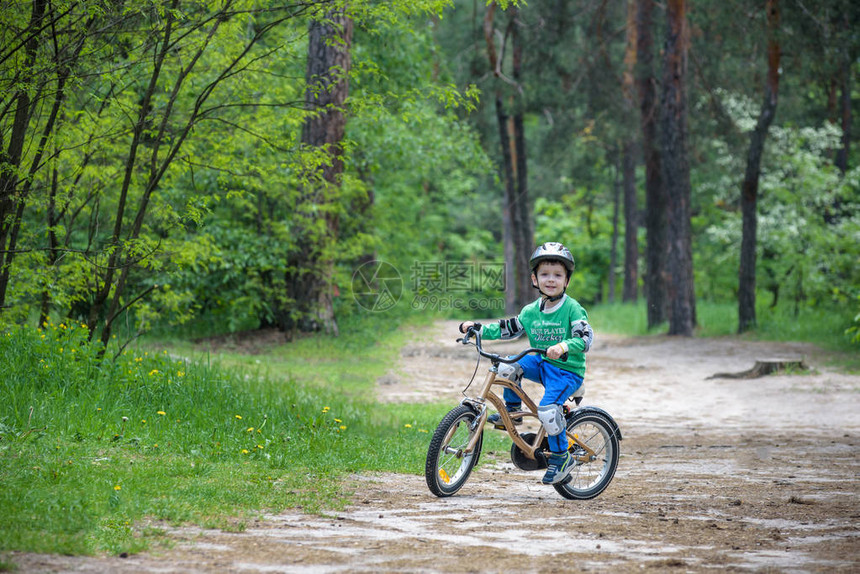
x=474, y=435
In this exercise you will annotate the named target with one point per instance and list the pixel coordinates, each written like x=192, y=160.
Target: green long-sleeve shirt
x=565, y=323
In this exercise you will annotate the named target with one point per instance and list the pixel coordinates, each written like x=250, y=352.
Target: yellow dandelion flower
x=250, y=429
x=244, y=451
x=342, y=427
x=153, y=372
x=162, y=413
x=98, y=409
x=407, y=425
x=143, y=421
x=338, y=421
x=180, y=373
x=239, y=417
x=117, y=487
x=259, y=446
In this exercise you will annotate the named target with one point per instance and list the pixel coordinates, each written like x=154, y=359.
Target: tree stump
x=764, y=367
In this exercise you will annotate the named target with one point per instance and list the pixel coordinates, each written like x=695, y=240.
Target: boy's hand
x=556, y=351
x=464, y=326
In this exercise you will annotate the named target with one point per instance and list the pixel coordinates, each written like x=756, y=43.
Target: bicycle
x=593, y=436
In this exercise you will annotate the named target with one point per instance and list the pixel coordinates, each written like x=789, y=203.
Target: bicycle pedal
x=567, y=479
x=500, y=426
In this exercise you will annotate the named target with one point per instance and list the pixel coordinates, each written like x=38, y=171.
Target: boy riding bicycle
x=559, y=324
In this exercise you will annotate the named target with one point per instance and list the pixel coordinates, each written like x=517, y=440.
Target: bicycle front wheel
x=588, y=479
x=448, y=467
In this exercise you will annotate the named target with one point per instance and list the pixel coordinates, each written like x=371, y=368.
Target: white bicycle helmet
x=553, y=251
x=557, y=253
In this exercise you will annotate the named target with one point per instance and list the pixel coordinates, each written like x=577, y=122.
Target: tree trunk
x=749, y=189
x=656, y=201
x=764, y=367
x=514, y=299
x=524, y=236
x=845, y=116
x=630, y=291
x=510, y=278
x=522, y=225
x=310, y=282
x=628, y=165
x=676, y=172
x=10, y=159
x=63, y=73
x=514, y=159
x=613, y=249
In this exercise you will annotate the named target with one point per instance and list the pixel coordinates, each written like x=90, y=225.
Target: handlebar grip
x=561, y=358
x=474, y=328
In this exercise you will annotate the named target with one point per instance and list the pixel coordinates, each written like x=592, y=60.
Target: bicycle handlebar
x=495, y=357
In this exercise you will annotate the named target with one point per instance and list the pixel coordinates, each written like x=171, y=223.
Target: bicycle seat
x=576, y=397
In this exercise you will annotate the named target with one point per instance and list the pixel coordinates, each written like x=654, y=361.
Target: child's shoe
x=558, y=468
x=496, y=419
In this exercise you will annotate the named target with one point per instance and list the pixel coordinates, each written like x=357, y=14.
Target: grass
x=91, y=450
x=714, y=319
x=823, y=327
x=349, y=363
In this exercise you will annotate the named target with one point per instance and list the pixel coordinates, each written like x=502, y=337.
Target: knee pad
x=512, y=372
x=552, y=417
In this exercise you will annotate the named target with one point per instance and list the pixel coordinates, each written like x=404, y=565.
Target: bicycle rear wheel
x=447, y=467
x=588, y=479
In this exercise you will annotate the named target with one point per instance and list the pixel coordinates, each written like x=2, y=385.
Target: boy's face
x=551, y=277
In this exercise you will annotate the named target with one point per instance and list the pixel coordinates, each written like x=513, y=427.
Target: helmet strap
x=547, y=299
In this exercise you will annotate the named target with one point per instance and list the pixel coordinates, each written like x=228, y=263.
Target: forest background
x=160, y=168
x=327, y=171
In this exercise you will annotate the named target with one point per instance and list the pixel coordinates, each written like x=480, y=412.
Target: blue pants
x=558, y=385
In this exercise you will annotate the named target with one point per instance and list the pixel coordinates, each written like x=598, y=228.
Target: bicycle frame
x=486, y=394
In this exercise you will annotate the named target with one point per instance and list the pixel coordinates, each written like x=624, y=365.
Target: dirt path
x=755, y=475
